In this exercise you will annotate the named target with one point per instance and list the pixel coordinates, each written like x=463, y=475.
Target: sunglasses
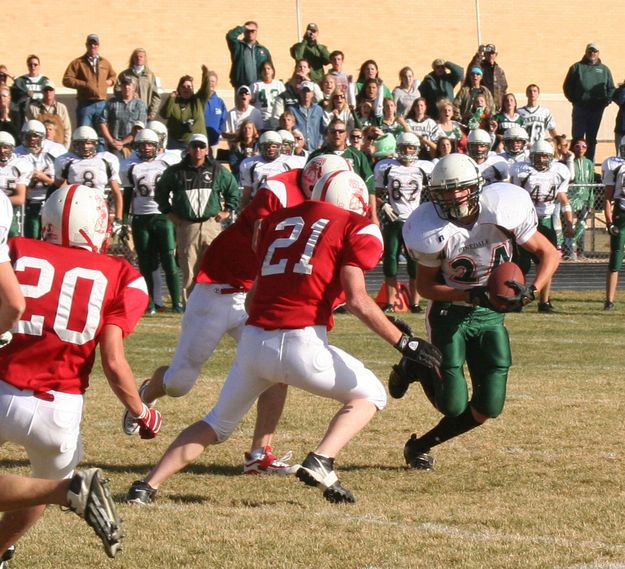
x=337, y=130
x=338, y=97
x=197, y=145
x=356, y=137
x=299, y=138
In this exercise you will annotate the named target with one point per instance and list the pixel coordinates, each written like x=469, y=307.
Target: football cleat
x=609, y=306
x=546, y=307
x=268, y=463
x=319, y=471
x=416, y=457
x=141, y=493
x=6, y=557
x=416, y=309
x=129, y=423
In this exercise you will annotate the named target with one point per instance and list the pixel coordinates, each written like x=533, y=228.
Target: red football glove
x=149, y=422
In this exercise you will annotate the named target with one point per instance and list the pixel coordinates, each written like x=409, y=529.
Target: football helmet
x=270, y=145
x=7, y=144
x=541, y=155
x=76, y=216
x=288, y=142
x=479, y=143
x=385, y=146
x=33, y=134
x=515, y=140
x=318, y=167
x=456, y=172
x=85, y=141
x=146, y=144
x=344, y=189
x=408, y=147
x=161, y=130
x=621, y=147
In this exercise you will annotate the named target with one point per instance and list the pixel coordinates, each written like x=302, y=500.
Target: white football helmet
x=270, y=145
x=407, y=147
x=146, y=143
x=344, y=189
x=515, y=140
x=85, y=141
x=318, y=167
x=159, y=128
x=76, y=216
x=33, y=134
x=479, y=143
x=288, y=142
x=541, y=155
x=7, y=144
x=456, y=172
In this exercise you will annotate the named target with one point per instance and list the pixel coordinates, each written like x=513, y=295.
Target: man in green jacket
x=589, y=86
x=247, y=55
x=316, y=54
x=439, y=84
x=197, y=194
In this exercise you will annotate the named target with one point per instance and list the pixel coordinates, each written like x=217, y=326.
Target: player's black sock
x=427, y=378
x=448, y=428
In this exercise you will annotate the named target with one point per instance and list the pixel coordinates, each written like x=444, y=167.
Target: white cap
x=199, y=138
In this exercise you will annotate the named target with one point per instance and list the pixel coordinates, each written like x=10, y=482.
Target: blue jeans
x=586, y=122
x=88, y=113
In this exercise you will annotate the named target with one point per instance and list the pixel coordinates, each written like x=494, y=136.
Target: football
x=497, y=284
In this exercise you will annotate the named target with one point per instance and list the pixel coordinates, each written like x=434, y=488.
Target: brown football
x=497, y=286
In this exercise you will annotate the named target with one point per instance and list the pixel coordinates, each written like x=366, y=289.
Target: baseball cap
x=490, y=48
x=47, y=84
x=198, y=139
x=307, y=85
x=438, y=63
x=312, y=27
x=93, y=38
x=476, y=70
x=593, y=46
x=244, y=89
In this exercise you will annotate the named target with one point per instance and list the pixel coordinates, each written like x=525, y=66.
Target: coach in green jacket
x=197, y=194
x=247, y=55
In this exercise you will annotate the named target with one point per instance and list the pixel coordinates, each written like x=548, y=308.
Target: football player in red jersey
x=75, y=300
x=310, y=256
x=216, y=307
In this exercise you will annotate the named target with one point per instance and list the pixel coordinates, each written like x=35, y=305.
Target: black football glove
x=478, y=296
x=524, y=295
x=401, y=324
x=419, y=350
x=402, y=374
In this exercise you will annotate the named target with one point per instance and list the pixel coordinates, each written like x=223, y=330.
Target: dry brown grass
x=542, y=486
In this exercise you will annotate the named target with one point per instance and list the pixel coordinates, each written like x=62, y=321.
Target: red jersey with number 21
x=301, y=251
x=70, y=295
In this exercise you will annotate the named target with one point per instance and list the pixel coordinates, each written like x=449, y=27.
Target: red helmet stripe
x=326, y=185
x=67, y=207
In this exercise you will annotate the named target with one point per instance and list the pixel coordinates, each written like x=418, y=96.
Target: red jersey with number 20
x=71, y=294
x=301, y=251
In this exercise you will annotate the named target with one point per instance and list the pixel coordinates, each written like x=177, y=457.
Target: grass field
x=542, y=486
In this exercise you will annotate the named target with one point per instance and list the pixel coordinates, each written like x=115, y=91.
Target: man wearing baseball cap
x=91, y=75
x=315, y=53
x=48, y=105
x=589, y=86
x=439, y=84
x=494, y=77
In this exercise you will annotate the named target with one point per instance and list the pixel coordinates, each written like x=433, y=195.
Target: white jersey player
x=15, y=175
x=492, y=167
x=515, y=145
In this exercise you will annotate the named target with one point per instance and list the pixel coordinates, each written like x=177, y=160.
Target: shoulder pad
x=425, y=231
x=504, y=204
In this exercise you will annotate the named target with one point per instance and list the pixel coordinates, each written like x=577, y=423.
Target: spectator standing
x=472, y=88
x=439, y=84
x=91, y=75
x=9, y=119
x=537, y=120
x=28, y=88
x=589, y=86
x=315, y=53
x=337, y=58
x=242, y=110
x=215, y=112
x=265, y=92
x=422, y=125
x=147, y=87
x=184, y=110
x=369, y=70
x=407, y=92
x=448, y=127
x=48, y=105
x=494, y=76
x=243, y=145
x=619, y=124
x=246, y=55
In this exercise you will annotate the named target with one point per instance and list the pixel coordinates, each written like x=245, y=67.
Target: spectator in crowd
x=312, y=51
x=9, y=120
x=478, y=115
x=439, y=84
x=54, y=128
x=338, y=108
x=537, y=120
x=337, y=58
x=406, y=93
x=28, y=88
x=494, y=77
x=265, y=92
x=619, y=124
x=290, y=96
x=444, y=146
x=91, y=75
x=328, y=86
x=191, y=193
x=581, y=198
x=308, y=116
x=147, y=87
x=506, y=118
x=246, y=55
x=243, y=145
x=48, y=105
x=369, y=70
x=184, y=110
x=4, y=75
x=123, y=116
x=563, y=154
x=242, y=110
x=589, y=86
x=447, y=126
x=287, y=121
x=355, y=138
x=300, y=143
x=472, y=87
x=390, y=122
x=215, y=112
x=418, y=122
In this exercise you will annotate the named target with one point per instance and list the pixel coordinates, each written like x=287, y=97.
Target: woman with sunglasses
x=338, y=109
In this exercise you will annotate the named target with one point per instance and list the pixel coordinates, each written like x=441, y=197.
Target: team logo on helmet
x=344, y=189
x=318, y=167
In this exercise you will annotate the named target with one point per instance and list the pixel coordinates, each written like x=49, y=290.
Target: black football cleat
x=318, y=471
x=416, y=457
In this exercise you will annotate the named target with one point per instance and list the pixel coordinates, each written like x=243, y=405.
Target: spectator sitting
x=147, y=88
x=506, y=118
x=48, y=105
x=328, y=86
x=242, y=110
x=287, y=121
x=300, y=142
x=448, y=127
x=308, y=116
x=390, y=122
x=290, y=96
x=265, y=93
x=243, y=145
x=444, y=146
x=9, y=119
x=338, y=108
x=423, y=126
x=406, y=92
x=364, y=115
